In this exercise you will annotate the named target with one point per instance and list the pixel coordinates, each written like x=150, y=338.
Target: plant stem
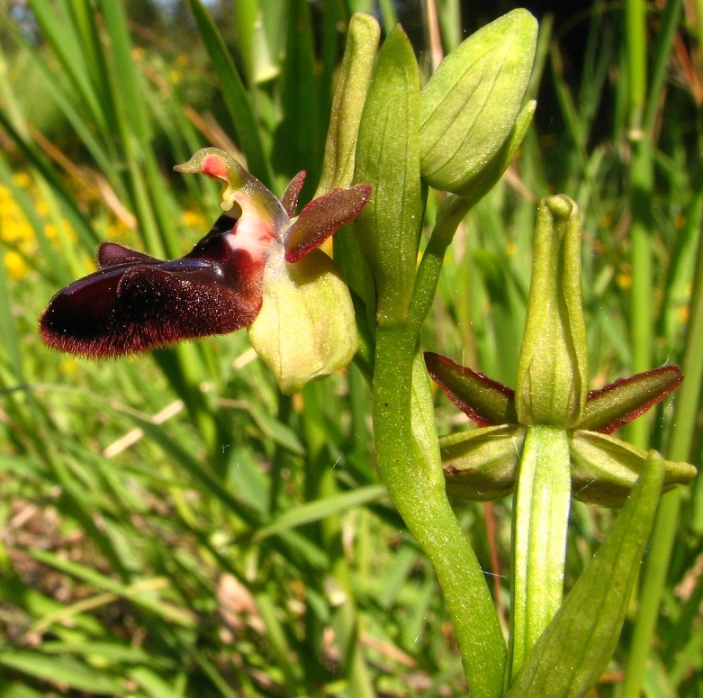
x=640, y=192
x=410, y=466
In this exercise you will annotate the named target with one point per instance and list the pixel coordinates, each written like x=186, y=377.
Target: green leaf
x=470, y=105
x=321, y=509
x=62, y=670
x=137, y=594
x=388, y=159
x=577, y=646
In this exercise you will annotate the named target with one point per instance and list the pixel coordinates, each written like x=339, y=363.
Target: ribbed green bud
x=552, y=375
x=470, y=105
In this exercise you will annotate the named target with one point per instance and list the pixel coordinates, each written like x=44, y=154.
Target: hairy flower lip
x=135, y=302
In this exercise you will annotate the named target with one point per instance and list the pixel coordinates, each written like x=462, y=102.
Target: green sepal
x=388, y=159
x=470, y=104
x=604, y=469
x=576, y=647
x=305, y=328
x=483, y=400
x=617, y=404
x=481, y=464
x=353, y=84
x=552, y=374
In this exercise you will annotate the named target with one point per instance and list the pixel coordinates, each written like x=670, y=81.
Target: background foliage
x=170, y=524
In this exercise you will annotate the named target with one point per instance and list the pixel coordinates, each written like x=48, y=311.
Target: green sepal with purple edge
x=626, y=399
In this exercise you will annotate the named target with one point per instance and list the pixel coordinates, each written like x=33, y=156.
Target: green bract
x=349, y=98
x=471, y=103
x=388, y=159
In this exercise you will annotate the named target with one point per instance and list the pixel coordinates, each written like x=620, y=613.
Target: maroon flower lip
x=135, y=302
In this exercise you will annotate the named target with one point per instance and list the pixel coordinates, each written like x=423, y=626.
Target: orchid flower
x=258, y=267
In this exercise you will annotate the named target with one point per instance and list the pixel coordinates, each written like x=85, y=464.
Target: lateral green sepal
x=604, y=469
x=480, y=464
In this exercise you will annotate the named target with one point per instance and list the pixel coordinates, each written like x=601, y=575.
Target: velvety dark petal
x=110, y=253
x=322, y=217
x=290, y=195
x=135, y=302
x=483, y=400
x=620, y=402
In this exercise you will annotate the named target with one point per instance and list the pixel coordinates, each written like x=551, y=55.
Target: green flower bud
x=552, y=375
x=470, y=105
x=306, y=327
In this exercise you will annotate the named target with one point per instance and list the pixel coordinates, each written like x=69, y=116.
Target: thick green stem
x=540, y=525
x=411, y=469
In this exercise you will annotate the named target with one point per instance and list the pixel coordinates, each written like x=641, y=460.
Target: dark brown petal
x=322, y=217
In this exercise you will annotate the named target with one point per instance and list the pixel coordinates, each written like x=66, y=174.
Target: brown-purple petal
x=292, y=192
x=483, y=400
x=322, y=217
x=626, y=399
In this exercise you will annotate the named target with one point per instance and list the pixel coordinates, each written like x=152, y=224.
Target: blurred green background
x=170, y=525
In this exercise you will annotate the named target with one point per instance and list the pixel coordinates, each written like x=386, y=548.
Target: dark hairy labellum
x=135, y=302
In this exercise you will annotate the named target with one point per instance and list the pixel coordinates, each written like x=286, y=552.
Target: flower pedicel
x=257, y=262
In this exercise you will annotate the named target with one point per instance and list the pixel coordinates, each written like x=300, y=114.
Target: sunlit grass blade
x=234, y=94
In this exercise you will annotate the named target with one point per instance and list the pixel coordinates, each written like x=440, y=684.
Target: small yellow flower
x=16, y=266
x=194, y=219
